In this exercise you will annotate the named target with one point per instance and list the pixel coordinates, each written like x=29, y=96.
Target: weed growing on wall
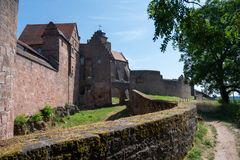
x=47, y=112
x=36, y=117
x=21, y=119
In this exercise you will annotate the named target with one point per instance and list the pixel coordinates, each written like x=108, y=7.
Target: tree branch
x=238, y=91
x=192, y=2
x=236, y=86
x=233, y=90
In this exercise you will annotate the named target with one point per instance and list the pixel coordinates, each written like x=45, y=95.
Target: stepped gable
x=32, y=34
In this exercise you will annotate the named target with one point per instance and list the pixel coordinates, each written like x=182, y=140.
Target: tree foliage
x=208, y=36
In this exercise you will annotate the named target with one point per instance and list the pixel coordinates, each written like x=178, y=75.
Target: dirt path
x=226, y=146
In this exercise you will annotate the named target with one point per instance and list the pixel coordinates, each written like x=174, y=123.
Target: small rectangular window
x=82, y=60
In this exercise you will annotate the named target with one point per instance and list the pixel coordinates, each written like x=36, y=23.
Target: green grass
x=89, y=116
x=201, y=131
x=202, y=143
x=115, y=100
x=194, y=154
x=237, y=102
x=165, y=98
x=191, y=98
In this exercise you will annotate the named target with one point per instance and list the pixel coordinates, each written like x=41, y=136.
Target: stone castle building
x=101, y=71
x=49, y=65
x=54, y=68
x=62, y=70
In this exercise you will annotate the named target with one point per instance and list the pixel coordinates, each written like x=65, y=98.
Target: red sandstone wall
x=75, y=68
x=8, y=26
x=151, y=82
x=37, y=85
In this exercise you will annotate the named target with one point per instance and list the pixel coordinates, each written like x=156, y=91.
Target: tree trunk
x=225, y=96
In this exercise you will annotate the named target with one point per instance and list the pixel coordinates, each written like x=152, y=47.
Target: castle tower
x=8, y=26
x=51, y=44
x=100, y=35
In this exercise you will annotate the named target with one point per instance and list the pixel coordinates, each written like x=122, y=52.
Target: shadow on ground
x=121, y=114
x=215, y=113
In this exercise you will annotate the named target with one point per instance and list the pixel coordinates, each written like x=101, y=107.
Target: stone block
x=2, y=77
x=1, y=58
x=4, y=117
x=2, y=107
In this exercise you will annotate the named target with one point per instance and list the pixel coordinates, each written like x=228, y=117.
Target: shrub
x=47, y=111
x=232, y=111
x=36, y=117
x=21, y=119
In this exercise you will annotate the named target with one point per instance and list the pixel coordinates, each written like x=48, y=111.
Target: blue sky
x=125, y=22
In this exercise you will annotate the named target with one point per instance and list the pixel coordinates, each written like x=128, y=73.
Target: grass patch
x=195, y=154
x=115, y=100
x=204, y=141
x=89, y=116
x=165, y=98
x=201, y=131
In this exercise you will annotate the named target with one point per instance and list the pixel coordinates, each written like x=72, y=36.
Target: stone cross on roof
x=100, y=27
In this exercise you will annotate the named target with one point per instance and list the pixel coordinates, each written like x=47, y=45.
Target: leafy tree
x=208, y=35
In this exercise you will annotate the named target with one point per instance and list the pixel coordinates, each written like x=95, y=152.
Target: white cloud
x=127, y=1
x=101, y=18
x=131, y=35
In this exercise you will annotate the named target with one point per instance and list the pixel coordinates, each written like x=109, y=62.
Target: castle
x=51, y=58
x=51, y=66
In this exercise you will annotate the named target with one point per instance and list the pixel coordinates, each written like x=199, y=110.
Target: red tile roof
x=118, y=56
x=32, y=34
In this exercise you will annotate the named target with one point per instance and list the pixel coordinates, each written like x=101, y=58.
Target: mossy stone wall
x=161, y=135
